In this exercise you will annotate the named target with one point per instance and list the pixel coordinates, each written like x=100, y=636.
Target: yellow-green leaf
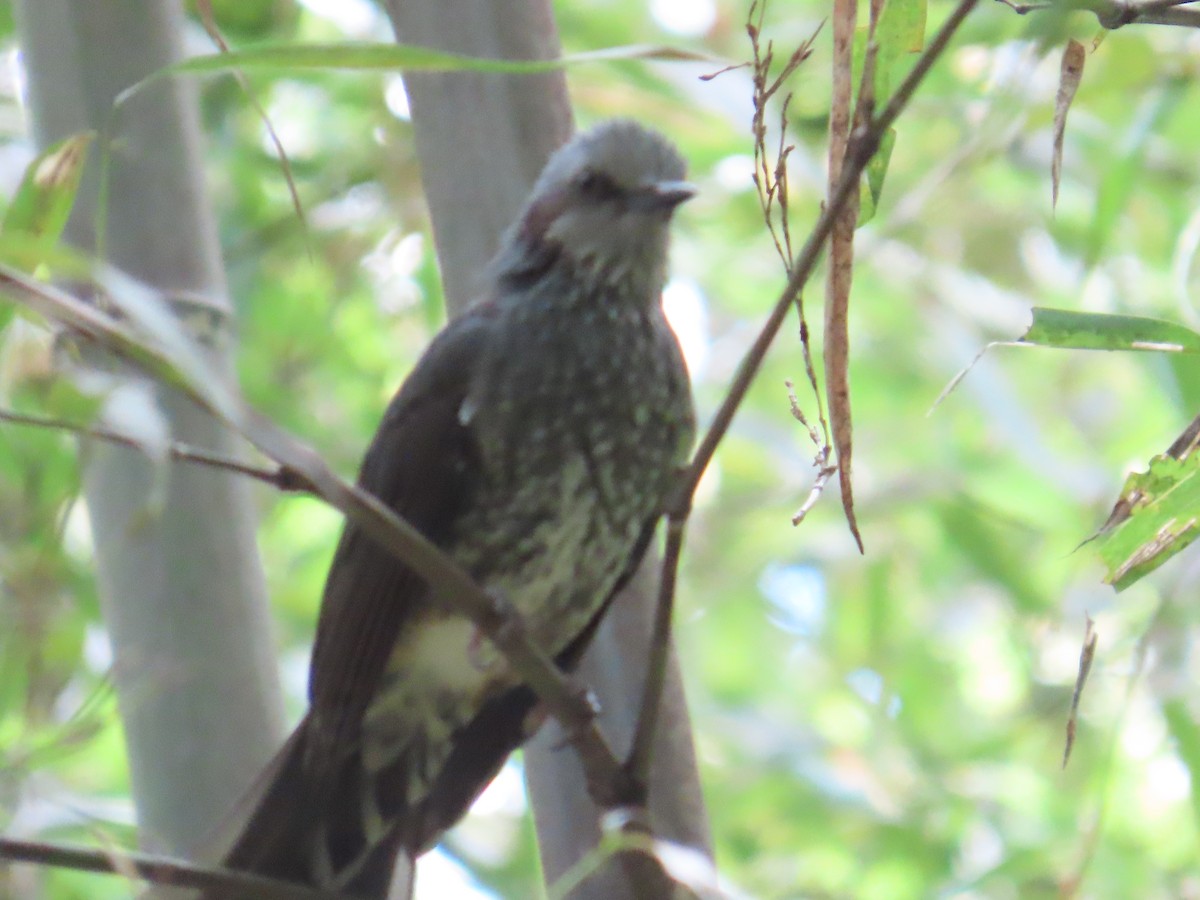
x=872, y=183
x=391, y=58
x=43, y=201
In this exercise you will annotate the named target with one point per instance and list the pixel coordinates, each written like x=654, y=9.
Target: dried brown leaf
x=1087, y=653
x=1068, y=83
x=841, y=259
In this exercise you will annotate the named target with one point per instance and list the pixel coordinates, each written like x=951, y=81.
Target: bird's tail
x=340, y=828
x=307, y=827
x=343, y=829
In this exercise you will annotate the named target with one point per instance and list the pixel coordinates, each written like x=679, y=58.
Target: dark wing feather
x=420, y=463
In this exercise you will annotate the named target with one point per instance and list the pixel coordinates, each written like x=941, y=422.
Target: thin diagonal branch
x=637, y=764
x=863, y=144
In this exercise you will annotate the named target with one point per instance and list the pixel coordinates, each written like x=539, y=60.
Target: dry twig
x=771, y=185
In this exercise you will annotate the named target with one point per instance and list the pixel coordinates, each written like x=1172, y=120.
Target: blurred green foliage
x=888, y=726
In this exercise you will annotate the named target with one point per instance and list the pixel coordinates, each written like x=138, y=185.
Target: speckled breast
x=582, y=421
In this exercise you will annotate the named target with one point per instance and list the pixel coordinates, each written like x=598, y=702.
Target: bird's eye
x=596, y=185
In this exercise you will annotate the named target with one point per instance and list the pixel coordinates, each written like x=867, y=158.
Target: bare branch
x=158, y=870
x=1114, y=14
x=638, y=762
x=280, y=477
x=844, y=121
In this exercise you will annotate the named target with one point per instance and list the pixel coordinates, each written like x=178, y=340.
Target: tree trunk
x=181, y=588
x=482, y=140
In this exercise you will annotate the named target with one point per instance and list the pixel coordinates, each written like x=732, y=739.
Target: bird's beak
x=665, y=195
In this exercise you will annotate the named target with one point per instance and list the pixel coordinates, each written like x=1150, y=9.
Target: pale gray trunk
x=181, y=589
x=482, y=139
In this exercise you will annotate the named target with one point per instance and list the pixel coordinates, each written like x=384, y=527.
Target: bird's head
x=603, y=203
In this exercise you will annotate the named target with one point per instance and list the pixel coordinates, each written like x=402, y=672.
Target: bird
x=536, y=442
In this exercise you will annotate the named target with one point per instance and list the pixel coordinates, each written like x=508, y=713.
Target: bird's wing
x=421, y=464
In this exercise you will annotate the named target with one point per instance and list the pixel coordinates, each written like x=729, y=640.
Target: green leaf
x=25, y=253
x=872, y=184
x=66, y=400
x=35, y=218
x=899, y=32
x=359, y=56
x=43, y=201
x=1164, y=518
x=902, y=26
x=1069, y=330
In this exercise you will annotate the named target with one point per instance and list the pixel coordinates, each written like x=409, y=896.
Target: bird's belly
x=437, y=678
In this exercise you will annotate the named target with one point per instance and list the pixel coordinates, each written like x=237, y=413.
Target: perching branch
x=637, y=764
x=158, y=870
